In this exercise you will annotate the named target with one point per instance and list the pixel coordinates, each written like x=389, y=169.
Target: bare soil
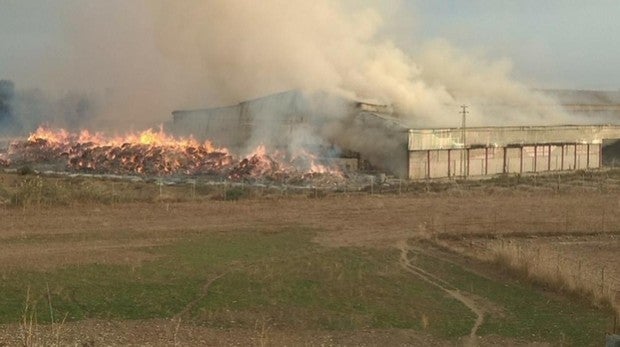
x=44, y=238
x=115, y=233
x=160, y=332
x=364, y=220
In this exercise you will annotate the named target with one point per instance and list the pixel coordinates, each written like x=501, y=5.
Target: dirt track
x=463, y=297
x=159, y=332
x=115, y=233
x=375, y=221
x=440, y=213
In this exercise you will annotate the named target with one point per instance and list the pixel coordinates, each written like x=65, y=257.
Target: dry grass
x=31, y=333
x=50, y=255
x=565, y=272
x=142, y=214
x=161, y=332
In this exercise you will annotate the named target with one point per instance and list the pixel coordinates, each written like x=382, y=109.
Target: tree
x=7, y=93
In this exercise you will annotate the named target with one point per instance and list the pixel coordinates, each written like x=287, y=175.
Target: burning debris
x=152, y=153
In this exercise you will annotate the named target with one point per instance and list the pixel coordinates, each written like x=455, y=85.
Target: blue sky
x=552, y=43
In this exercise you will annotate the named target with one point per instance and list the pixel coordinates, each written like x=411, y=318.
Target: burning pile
x=151, y=153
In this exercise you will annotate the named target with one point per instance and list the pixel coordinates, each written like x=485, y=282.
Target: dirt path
x=205, y=291
x=172, y=332
x=446, y=287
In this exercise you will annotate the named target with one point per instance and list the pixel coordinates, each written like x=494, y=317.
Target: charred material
x=157, y=158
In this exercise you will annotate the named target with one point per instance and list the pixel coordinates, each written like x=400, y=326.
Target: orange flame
x=154, y=152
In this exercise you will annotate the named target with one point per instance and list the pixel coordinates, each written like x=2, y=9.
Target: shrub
x=234, y=193
x=35, y=191
x=25, y=170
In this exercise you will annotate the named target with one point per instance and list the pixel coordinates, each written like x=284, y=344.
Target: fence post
x=113, y=192
x=602, y=281
x=160, y=183
x=617, y=313
x=192, y=183
x=372, y=185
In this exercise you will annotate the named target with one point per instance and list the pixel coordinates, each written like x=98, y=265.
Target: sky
x=571, y=44
x=96, y=46
x=551, y=44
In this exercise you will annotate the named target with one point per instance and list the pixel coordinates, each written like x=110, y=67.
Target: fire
x=155, y=153
x=52, y=137
x=318, y=168
x=147, y=137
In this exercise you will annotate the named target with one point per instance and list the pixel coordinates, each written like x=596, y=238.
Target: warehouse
x=368, y=131
x=330, y=125
x=475, y=152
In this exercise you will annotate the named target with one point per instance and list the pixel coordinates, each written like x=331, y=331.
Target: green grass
x=285, y=280
x=280, y=277
x=528, y=311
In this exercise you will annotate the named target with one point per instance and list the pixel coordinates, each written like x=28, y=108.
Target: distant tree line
x=22, y=111
x=7, y=94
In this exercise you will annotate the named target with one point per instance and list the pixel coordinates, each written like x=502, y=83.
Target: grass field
x=268, y=269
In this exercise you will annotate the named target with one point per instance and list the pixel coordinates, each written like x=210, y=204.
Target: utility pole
x=464, y=159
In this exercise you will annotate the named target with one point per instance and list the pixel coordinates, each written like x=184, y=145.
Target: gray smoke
x=236, y=50
x=142, y=59
x=7, y=115
x=22, y=111
x=147, y=58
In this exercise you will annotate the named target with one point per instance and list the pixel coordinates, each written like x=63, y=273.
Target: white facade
x=439, y=153
x=296, y=118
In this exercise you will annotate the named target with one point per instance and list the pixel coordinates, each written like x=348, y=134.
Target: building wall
x=379, y=141
x=478, y=162
x=270, y=121
x=502, y=136
x=295, y=120
x=437, y=153
x=291, y=119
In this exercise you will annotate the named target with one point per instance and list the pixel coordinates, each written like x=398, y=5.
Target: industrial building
x=475, y=152
x=368, y=132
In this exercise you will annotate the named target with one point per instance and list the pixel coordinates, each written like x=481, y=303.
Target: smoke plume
x=136, y=61
x=236, y=50
x=23, y=110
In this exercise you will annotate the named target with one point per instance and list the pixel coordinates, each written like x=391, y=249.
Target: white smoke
x=233, y=50
x=145, y=58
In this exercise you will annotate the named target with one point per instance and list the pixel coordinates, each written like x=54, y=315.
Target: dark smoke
x=7, y=95
x=23, y=111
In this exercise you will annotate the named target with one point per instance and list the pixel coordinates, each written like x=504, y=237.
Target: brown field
x=365, y=220
x=571, y=229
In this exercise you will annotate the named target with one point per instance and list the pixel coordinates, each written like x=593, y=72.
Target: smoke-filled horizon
x=131, y=63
